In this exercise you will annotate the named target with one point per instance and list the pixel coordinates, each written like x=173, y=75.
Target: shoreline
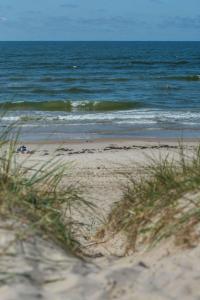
x=115, y=140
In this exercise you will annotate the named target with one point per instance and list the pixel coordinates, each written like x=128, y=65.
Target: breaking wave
x=70, y=106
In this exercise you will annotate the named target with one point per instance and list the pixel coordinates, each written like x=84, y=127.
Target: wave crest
x=70, y=106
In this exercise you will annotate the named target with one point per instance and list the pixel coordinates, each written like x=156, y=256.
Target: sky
x=112, y=20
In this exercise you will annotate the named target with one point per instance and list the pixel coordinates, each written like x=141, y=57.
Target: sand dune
x=38, y=269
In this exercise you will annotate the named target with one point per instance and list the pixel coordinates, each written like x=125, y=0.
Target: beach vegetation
x=162, y=202
x=38, y=197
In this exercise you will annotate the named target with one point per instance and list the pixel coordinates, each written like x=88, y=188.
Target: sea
x=90, y=90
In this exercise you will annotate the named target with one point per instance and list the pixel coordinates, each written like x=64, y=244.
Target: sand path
x=37, y=269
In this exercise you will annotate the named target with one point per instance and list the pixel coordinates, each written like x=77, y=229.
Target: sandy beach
x=100, y=168
x=99, y=150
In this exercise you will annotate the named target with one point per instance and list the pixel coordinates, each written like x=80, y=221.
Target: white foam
x=11, y=118
x=135, y=116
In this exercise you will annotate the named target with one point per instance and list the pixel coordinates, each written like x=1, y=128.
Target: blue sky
x=100, y=20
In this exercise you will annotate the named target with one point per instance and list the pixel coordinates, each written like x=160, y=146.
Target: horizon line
x=110, y=41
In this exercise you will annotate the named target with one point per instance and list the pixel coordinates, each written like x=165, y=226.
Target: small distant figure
x=23, y=150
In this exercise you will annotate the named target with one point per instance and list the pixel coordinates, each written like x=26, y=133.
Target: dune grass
x=163, y=203
x=38, y=199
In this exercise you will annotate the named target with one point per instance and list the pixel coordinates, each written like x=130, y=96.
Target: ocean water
x=87, y=90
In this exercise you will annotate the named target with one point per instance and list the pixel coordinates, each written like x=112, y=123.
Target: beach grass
x=163, y=202
x=37, y=197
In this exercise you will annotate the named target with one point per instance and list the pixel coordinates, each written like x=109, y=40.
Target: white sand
x=35, y=269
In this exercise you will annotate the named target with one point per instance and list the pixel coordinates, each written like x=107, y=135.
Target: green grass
x=160, y=204
x=38, y=199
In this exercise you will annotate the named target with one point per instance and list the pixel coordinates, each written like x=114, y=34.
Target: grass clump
x=164, y=203
x=38, y=199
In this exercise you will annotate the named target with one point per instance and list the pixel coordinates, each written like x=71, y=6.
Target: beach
x=100, y=168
